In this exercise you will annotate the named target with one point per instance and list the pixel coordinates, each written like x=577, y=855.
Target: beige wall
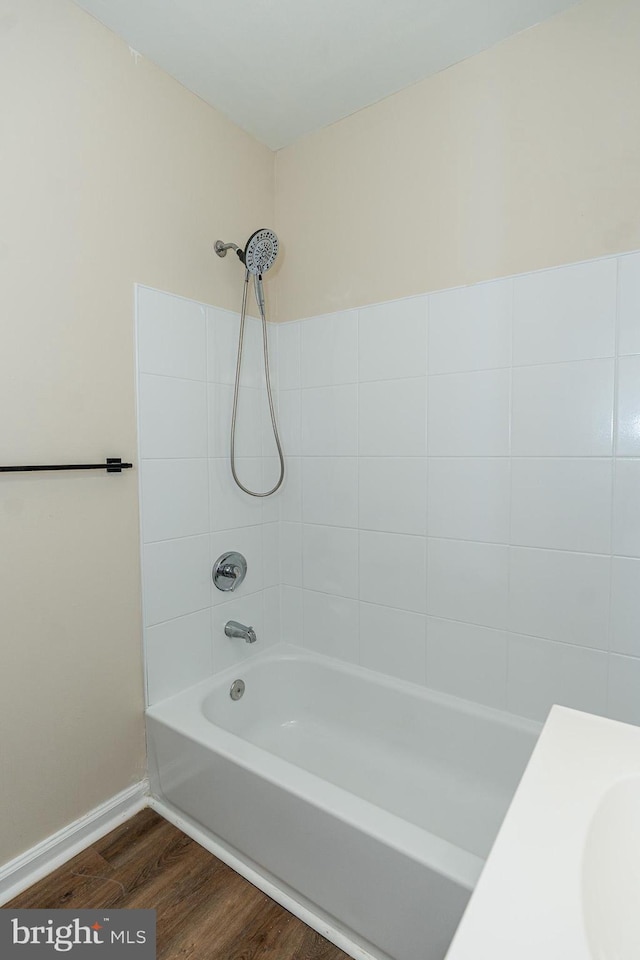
x=111, y=173
x=522, y=157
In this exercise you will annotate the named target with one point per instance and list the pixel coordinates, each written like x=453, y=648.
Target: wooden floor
x=205, y=911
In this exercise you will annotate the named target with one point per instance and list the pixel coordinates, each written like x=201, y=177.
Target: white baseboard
x=36, y=863
x=307, y=912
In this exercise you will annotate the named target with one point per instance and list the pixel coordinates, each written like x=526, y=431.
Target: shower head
x=258, y=256
x=260, y=252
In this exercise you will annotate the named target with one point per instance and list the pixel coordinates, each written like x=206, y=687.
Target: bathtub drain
x=237, y=689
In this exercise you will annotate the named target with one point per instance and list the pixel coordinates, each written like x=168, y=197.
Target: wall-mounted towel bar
x=111, y=465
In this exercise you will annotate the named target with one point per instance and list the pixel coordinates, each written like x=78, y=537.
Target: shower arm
x=221, y=248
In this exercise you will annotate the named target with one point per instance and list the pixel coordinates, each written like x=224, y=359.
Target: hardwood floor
x=205, y=911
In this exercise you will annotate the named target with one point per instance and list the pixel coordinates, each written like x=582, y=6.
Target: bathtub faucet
x=234, y=629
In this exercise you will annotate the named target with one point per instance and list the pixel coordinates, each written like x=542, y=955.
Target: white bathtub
x=365, y=805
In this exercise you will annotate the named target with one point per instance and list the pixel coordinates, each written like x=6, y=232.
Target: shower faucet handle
x=229, y=571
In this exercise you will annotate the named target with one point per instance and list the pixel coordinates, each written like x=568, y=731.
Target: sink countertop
x=528, y=902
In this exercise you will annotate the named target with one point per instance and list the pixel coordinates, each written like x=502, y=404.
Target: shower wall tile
x=542, y=672
x=330, y=421
x=230, y=507
x=629, y=304
x=563, y=410
x=469, y=414
x=469, y=498
x=176, y=578
x=330, y=560
x=568, y=313
x=270, y=478
x=288, y=347
x=468, y=581
x=392, y=418
x=173, y=417
x=625, y=606
x=329, y=350
x=393, y=340
x=562, y=504
x=628, y=418
x=560, y=596
x=290, y=421
x=393, y=494
x=289, y=497
x=249, y=429
x=291, y=614
x=393, y=642
x=291, y=554
x=470, y=328
x=330, y=625
x=330, y=491
x=467, y=661
x=626, y=509
x=623, y=684
x=393, y=570
x=171, y=335
x=175, y=499
x=178, y=654
x=222, y=345
x=272, y=617
x=270, y=555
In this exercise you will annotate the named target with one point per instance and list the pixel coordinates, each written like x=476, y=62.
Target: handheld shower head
x=261, y=251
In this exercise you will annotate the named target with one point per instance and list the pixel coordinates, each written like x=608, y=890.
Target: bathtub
x=365, y=805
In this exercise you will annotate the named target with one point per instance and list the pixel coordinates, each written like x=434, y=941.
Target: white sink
x=611, y=874
x=562, y=881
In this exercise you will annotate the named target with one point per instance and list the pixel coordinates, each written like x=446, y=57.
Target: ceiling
x=283, y=68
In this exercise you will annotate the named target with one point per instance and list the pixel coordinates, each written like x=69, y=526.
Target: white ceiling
x=282, y=68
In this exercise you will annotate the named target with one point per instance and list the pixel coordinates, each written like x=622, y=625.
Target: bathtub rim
x=183, y=713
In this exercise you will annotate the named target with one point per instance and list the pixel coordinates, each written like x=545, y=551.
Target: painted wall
x=522, y=157
x=111, y=173
x=462, y=508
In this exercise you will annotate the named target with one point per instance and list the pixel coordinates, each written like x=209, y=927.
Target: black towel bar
x=111, y=465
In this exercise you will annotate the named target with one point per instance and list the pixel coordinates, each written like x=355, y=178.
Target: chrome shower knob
x=229, y=571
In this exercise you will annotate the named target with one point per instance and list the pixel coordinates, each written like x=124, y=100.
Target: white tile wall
x=468, y=661
x=393, y=494
x=563, y=410
x=469, y=498
x=171, y=336
x=565, y=314
x=629, y=304
x=330, y=625
x=330, y=421
x=329, y=350
x=468, y=581
x=392, y=418
x=628, y=419
x=393, y=642
x=468, y=414
x=461, y=505
x=191, y=512
x=470, y=328
x=507, y=467
x=393, y=340
x=562, y=504
x=393, y=570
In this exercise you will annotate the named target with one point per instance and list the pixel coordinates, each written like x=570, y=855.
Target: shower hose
x=236, y=392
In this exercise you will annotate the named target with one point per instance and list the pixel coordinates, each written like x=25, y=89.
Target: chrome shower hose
x=236, y=391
